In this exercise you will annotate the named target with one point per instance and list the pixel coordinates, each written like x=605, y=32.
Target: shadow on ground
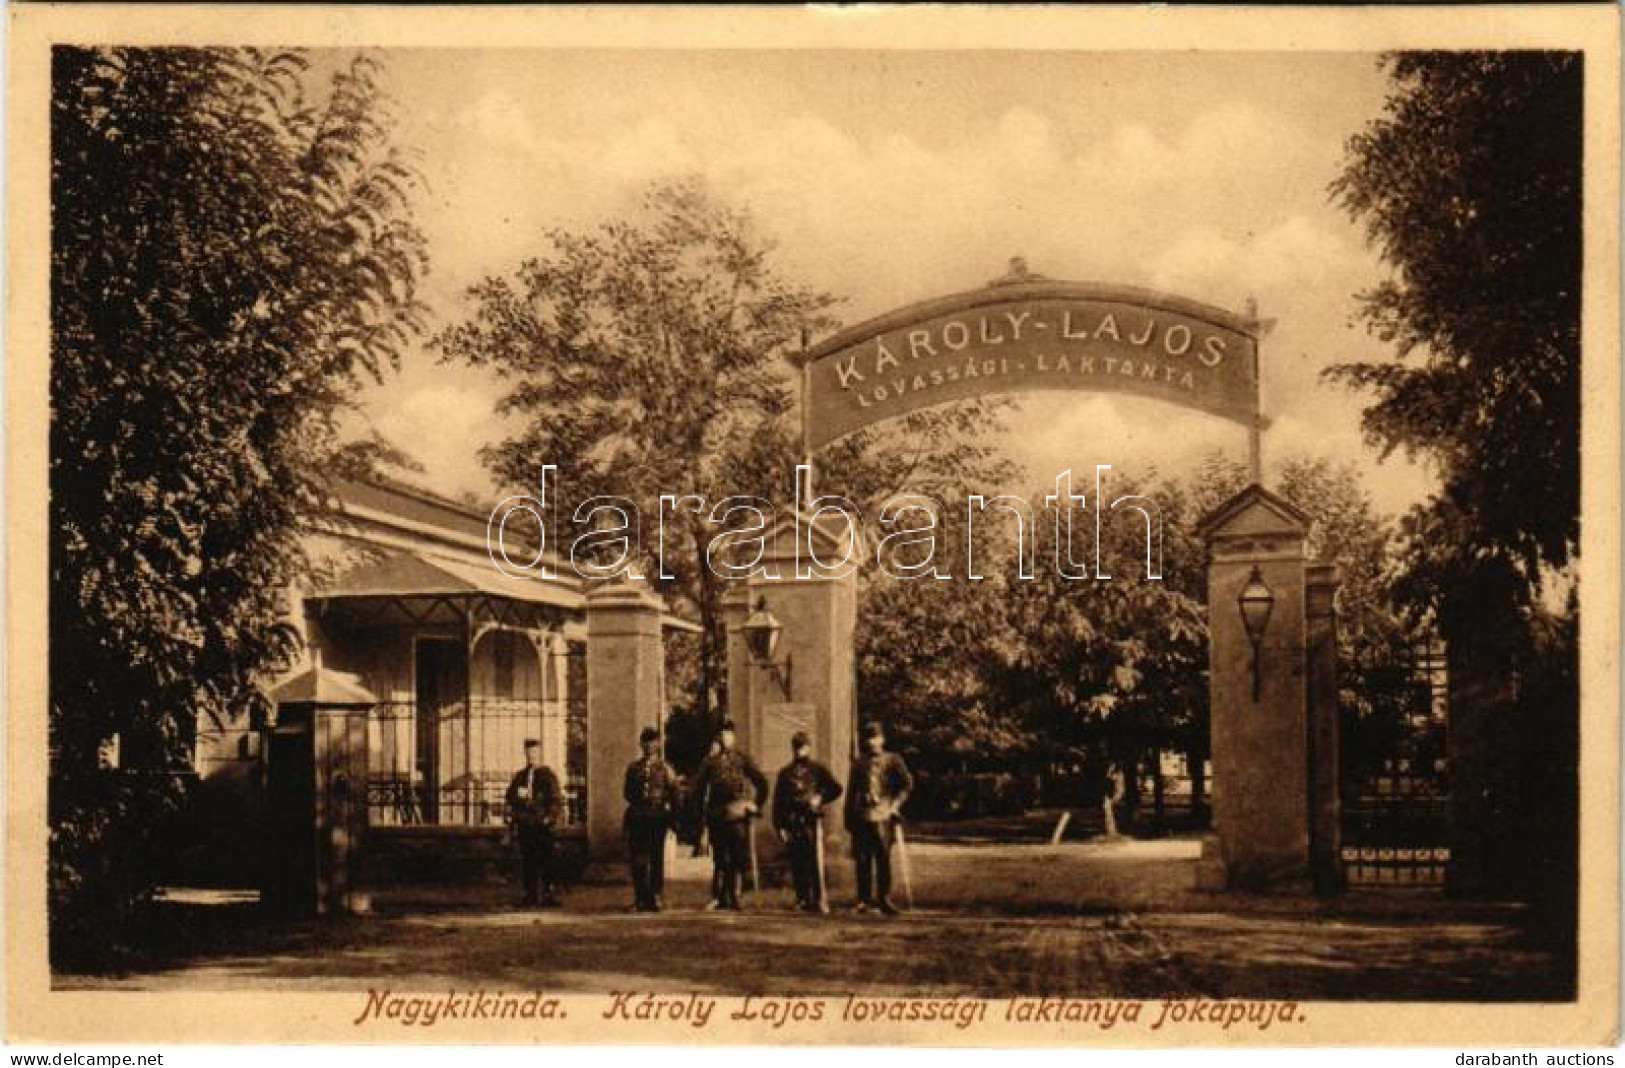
x=1078, y=920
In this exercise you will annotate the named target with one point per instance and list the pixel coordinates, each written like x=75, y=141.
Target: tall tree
x=649, y=357
x=644, y=359
x=1469, y=185
x=232, y=252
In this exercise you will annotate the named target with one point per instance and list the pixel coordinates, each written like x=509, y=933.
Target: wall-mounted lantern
x=762, y=629
x=1257, y=601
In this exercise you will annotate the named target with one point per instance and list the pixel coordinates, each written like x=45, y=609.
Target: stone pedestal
x=317, y=765
x=624, y=677
x=1274, y=751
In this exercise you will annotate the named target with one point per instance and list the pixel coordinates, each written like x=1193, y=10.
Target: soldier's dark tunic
x=804, y=786
x=877, y=788
x=534, y=803
x=724, y=784
x=651, y=794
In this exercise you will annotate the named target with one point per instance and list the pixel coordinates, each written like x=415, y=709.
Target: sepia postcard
x=1021, y=526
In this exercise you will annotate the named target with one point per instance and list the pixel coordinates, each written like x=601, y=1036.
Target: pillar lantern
x=1256, y=601
x=762, y=630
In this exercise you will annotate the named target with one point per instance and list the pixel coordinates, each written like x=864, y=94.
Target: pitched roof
x=408, y=574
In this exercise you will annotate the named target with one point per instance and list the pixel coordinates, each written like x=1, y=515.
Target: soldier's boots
x=884, y=907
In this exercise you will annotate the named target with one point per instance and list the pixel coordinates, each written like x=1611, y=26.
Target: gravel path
x=1079, y=920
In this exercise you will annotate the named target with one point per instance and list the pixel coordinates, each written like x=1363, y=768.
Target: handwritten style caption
x=702, y=1011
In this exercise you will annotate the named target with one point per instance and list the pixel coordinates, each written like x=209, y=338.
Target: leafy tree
x=644, y=359
x=928, y=652
x=1125, y=659
x=1469, y=186
x=1377, y=689
x=231, y=253
x=650, y=357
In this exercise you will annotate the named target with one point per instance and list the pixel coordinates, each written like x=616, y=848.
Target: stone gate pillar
x=624, y=668
x=1274, y=751
x=818, y=614
x=1325, y=789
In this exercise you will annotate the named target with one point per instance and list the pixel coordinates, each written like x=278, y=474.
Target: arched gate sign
x=1025, y=332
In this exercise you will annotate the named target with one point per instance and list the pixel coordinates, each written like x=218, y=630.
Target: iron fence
x=1395, y=832
x=451, y=767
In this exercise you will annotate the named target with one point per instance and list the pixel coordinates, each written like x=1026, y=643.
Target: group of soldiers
x=729, y=792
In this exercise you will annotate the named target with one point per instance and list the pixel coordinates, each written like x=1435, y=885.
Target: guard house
x=465, y=662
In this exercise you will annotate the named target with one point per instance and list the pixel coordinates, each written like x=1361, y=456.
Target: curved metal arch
x=1038, y=289
x=1024, y=333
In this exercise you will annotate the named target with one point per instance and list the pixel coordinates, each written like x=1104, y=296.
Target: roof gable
x=828, y=536
x=1255, y=510
x=323, y=686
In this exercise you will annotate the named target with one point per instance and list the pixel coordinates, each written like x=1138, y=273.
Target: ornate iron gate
x=1396, y=821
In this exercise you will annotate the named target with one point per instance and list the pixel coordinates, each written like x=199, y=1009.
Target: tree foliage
x=642, y=358
x=232, y=252
x=1008, y=673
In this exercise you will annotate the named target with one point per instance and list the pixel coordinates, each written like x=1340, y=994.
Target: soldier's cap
x=649, y=735
x=799, y=739
x=725, y=725
x=873, y=729
x=533, y=743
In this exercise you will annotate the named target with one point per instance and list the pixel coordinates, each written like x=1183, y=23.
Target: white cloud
x=1027, y=141
x=651, y=149
x=442, y=425
x=499, y=118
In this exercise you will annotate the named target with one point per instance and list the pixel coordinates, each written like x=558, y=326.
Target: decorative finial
x=1017, y=274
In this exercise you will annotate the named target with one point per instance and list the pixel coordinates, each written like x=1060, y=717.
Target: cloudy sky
x=889, y=177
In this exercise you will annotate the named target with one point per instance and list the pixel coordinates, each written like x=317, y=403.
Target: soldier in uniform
x=702, y=844
x=729, y=790
x=879, y=784
x=803, y=789
x=651, y=798
x=534, y=802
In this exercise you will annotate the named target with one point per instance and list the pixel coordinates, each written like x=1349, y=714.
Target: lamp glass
x=762, y=633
